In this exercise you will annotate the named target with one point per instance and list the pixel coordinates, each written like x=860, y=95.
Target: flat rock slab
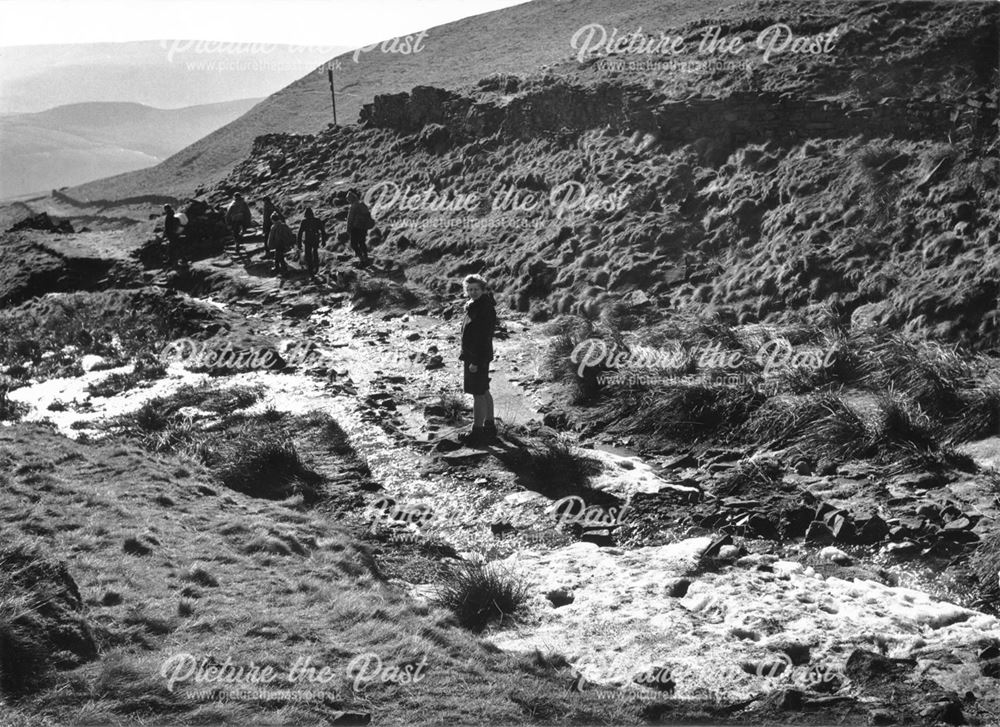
x=464, y=455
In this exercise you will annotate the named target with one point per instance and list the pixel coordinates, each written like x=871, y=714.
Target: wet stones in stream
x=752, y=499
x=431, y=358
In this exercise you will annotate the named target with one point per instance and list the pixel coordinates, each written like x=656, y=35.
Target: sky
x=56, y=52
x=324, y=23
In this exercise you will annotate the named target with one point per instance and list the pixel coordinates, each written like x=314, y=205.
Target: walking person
x=280, y=240
x=238, y=218
x=477, y=353
x=172, y=231
x=269, y=209
x=313, y=232
x=359, y=221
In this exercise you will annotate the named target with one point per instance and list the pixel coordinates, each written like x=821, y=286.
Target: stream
x=612, y=611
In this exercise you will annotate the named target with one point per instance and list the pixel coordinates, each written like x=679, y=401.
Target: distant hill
x=161, y=74
x=518, y=39
x=80, y=142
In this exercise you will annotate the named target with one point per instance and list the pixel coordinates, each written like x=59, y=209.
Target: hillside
x=453, y=55
x=76, y=143
x=805, y=184
x=745, y=382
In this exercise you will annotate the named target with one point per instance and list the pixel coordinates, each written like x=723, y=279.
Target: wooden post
x=333, y=95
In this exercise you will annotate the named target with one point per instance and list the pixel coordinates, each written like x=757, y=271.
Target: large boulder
x=41, y=622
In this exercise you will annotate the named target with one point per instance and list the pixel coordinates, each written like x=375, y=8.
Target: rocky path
x=756, y=623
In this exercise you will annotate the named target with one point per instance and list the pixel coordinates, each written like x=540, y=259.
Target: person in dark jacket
x=312, y=230
x=171, y=231
x=477, y=353
x=280, y=240
x=359, y=221
x=269, y=209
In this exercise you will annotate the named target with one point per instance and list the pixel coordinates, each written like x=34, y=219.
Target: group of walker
x=478, y=323
x=278, y=236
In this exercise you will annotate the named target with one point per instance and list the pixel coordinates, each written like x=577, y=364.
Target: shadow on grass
x=551, y=467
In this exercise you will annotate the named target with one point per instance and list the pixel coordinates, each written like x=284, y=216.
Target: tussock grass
x=554, y=460
x=454, y=407
x=686, y=412
x=200, y=576
x=920, y=394
x=985, y=565
x=159, y=427
x=927, y=373
x=118, y=324
x=939, y=459
x=750, y=477
x=839, y=432
x=978, y=415
x=541, y=662
x=838, y=429
x=901, y=425
x=114, y=384
x=478, y=593
x=557, y=365
x=846, y=361
x=218, y=399
x=551, y=466
x=782, y=417
x=10, y=411
x=256, y=456
x=147, y=367
x=877, y=185
x=132, y=686
x=695, y=330
x=248, y=463
x=616, y=317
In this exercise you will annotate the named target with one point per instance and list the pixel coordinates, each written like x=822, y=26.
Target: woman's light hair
x=477, y=279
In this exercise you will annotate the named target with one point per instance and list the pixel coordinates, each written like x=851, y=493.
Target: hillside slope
x=864, y=184
x=76, y=143
x=519, y=39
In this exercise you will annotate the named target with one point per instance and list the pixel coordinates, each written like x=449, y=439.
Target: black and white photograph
x=499, y=362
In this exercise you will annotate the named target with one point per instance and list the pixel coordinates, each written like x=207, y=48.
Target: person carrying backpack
x=281, y=240
x=311, y=228
x=238, y=218
x=359, y=221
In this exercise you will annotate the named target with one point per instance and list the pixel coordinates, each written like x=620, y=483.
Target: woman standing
x=477, y=353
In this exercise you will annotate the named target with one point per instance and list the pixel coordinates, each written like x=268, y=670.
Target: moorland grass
x=878, y=393
x=116, y=324
x=550, y=465
x=454, y=407
x=479, y=593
